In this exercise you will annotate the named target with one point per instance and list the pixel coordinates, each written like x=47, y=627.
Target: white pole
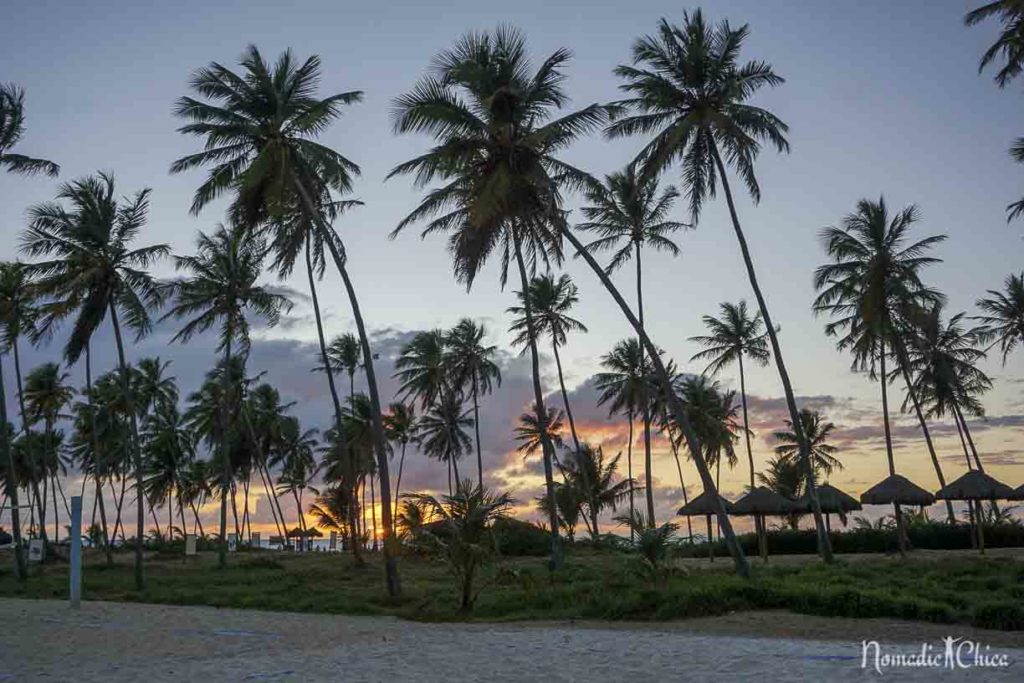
x=76, y=552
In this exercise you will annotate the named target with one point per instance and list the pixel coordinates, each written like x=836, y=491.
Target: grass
x=983, y=592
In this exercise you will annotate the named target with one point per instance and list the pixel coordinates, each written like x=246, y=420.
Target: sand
x=45, y=640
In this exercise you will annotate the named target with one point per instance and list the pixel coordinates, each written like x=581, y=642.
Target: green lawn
x=947, y=587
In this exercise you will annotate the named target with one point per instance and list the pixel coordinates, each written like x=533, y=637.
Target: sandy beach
x=45, y=640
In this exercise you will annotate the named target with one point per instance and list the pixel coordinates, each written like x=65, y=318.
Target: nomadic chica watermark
x=951, y=653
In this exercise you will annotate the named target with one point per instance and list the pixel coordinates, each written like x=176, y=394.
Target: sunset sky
x=881, y=98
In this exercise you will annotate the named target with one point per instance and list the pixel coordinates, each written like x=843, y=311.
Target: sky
x=881, y=98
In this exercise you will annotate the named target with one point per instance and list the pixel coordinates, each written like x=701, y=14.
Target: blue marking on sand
x=830, y=658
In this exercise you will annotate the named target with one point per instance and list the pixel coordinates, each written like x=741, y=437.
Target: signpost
x=76, y=552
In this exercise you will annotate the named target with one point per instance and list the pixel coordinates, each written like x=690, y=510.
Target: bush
x=999, y=615
x=518, y=538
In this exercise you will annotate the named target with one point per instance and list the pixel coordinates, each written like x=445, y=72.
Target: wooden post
x=711, y=541
x=75, y=589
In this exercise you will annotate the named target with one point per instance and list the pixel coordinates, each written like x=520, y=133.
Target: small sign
x=232, y=543
x=333, y=545
x=35, y=550
x=190, y=544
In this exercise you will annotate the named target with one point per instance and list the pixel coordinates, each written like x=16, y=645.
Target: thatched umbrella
x=975, y=485
x=1018, y=493
x=897, y=490
x=833, y=501
x=703, y=505
x=761, y=501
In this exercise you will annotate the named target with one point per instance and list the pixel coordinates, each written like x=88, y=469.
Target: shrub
x=518, y=538
x=1003, y=616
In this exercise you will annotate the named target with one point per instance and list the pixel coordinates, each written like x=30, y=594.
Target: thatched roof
x=832, y=500
x=1018, y=493
x=761, y=500
x=975, y=485
x=703, y=505
x=308, y=533
x=896, y=489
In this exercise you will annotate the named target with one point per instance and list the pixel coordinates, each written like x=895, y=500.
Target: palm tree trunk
x=682, y=484
x=974, y=451
x=912, y=393
x=392, y=580
x=476, y=428
x=758, y=519
x=373, y=512
x=900, y=532
x=398, y=482
x=225, y=453
x=648, y=475
x=108, y=544
x=136, y=453
x=676, y=407
x=629, y=473
x=542, y=422
x=357, y=552
x=565, y=397
x=824, y=544
x=12, y=484
x=39, y=501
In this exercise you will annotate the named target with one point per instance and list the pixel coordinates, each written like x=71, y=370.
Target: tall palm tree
x=473, y=365
x=154, y=387
x=1004, y=315
x=169, y=449
x=221, y=288
x=47, y=394
x=403, y=426
x=551, y=301
x=494, y=119
x=628, y=213
x=731, y=337
x=1009, y=46
x=12, y=127
x=93, y=271
x=532, y=433
x=687, y=86
x=260, y=128
x=423, y=369
x=344, y=355
x=818, y=430
x=713, y=413
x=442, y=433
x=871, y=287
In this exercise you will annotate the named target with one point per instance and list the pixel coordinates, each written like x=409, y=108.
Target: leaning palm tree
x=442, y=433
x=871, y=287
x=551, y=301
x=628, y=213
x=260, y=128
x=93, y=271
x=623, y=386
x=472, y=364
x=12, y=127
x=402, y=425
x=731, y=337
x=221, y=288
x=1004, y=315
x=687, y=86
x=1009, y=46
x=818, y=430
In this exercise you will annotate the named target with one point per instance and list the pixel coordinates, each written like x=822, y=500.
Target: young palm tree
x=817, y=430
x=12, y=127
x=871, y=287
x=551, y=301
x=730, y=337
x=169, y=449
x=442, y=433
x=93, y=270
x=623, y=386
x=784, y=475
x=402, y=425
x=628, y=213
x=1004, y=319
x=46, y=395
x=261, y=128
x=332, y=510
x=596, y=480
x=472, y=364
x=220, y=290
x=688, y=88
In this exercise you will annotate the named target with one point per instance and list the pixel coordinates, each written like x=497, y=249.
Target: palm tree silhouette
x=12, y=127
x=169, y=450
x=344, y=355
x=46, y=395
x=219, y=290
x=472, y=364
x=261, y=129
x=402, y=425
x=1009, y=46
x=493, y=118
x=871, y=287
x=551, y=301
x=1004, y=319
x=93, y=270
x=596, y=480
x=442, y=433
x=687, y=86
x=818, y=431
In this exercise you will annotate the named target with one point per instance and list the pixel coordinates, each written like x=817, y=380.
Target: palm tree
x=343, y=355
x=422, y=368
x=261, y=129
x=713, y=414
x=532, y=433
x=623, y=386
x=687, y=86
x=871, y=287
x=298, y=465
x=402, y=426
x=628, y=213
x=1009, y=46
x=46, y=395
x=551, y=301
x=332, y=510
x=442, y=433
x=93, y=270
x=169, y=449
x=12, y=127
x=194, y=489
x=154, y=387
x=783, y=474
x=494, y=120
x=1004, y=319
x=730, y=337
x=818, y=431
x=594, y=477
x=472, y=364
x=220, y=290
